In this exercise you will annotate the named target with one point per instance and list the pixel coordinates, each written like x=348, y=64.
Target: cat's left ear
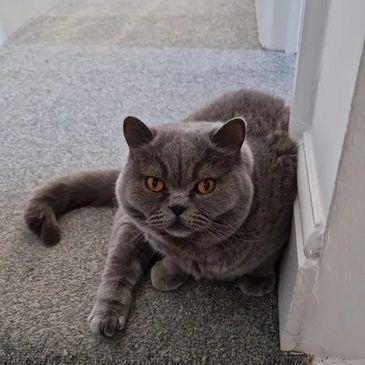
x=232, y=134
x=136, y=133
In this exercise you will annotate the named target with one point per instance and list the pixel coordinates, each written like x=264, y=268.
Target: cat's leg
x=127, y=260
x=256, y=285
x=166, y=275
x=261, y=280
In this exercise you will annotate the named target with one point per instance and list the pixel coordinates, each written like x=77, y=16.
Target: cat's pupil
x=154, y=182
x=206, y=185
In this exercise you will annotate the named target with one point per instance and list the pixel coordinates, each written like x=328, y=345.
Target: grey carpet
x=152, y=23
x=61, y=109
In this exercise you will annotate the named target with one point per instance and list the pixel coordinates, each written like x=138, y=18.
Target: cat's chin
x=179, y=230
x=179, y=234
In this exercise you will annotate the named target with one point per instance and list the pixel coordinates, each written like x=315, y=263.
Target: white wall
x=322, y=284
x=278, y=24
x=308, y=68
x=337, y=322
x=339, y=65
x=327, y=68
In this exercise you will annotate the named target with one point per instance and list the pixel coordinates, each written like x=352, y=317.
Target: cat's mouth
x=178, y=229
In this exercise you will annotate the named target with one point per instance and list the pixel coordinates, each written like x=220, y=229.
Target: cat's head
x=187, y=180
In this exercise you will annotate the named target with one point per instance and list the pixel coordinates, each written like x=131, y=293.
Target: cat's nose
x=178, y=209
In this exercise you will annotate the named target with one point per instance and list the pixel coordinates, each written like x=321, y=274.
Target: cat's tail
x=65, y=193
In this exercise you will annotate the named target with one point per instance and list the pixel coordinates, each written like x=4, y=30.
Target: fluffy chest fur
x=223, y=261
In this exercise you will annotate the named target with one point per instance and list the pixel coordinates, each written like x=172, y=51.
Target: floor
x=14, y=13
x=141, y=23
x=68, y=78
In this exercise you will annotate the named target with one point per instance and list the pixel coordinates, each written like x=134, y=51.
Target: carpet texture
x=142, y=23
x=61, y=109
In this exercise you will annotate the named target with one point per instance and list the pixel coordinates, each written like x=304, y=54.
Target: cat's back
x=264, y=113
x=267, y=118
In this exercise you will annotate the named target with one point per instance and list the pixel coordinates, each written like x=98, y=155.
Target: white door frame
x=278, y=24
x=322, y=283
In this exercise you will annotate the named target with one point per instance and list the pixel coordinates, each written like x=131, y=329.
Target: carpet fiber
x=61, y=109
x=146, y=23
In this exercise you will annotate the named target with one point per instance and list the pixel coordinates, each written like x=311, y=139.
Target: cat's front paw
x=256, y=285
x=165, y=276
x=106, y=320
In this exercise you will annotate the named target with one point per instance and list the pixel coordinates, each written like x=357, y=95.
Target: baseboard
x=309, y=200
x=301, y=260
x=296, y=295
x=333, y=361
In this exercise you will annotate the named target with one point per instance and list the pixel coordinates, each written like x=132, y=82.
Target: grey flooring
x=63, y=94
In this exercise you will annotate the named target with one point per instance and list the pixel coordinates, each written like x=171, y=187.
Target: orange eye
x=205, y=186
x=155, y=184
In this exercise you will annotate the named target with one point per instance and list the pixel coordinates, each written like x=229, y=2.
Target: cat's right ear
x=232, y=134
x=136, y=133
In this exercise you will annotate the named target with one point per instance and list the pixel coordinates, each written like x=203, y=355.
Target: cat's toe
x=256, y=286
x=107, y=323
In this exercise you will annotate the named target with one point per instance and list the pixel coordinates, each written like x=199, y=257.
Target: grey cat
x=210, y=197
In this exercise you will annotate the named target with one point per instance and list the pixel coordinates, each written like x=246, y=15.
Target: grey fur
x=234, y=233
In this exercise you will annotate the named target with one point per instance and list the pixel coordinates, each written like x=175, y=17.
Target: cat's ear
x=232, y=134
x=136, y=133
